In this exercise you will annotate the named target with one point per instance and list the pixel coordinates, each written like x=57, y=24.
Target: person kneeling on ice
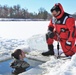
x=62, y=29
x=19, y=64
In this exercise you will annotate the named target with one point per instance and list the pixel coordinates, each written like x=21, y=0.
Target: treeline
x=20, y=13
x=17, y=12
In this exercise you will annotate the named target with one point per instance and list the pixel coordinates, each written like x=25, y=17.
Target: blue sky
x=33, y=5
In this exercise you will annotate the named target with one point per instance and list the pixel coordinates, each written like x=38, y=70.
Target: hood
x=62, y=10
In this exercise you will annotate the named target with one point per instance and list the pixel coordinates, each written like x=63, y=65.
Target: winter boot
x=50, y=52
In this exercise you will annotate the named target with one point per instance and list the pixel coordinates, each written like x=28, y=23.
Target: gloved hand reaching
x=50, y=34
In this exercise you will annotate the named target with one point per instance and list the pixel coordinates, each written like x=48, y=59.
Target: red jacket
x=64, y=24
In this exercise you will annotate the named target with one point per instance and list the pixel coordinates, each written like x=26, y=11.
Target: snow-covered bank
x=60, y=67
x=38, y=42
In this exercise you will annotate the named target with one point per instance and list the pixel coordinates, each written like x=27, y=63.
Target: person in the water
x=19, y=65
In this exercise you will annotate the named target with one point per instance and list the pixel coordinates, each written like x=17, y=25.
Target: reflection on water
x=5, y=68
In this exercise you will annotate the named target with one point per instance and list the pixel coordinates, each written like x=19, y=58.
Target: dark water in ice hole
x=5, y=68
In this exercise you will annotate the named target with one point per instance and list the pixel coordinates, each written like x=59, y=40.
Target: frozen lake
x=22, y=29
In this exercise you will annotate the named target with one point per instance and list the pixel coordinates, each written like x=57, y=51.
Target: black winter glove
x=51, y=29
x=50, y=34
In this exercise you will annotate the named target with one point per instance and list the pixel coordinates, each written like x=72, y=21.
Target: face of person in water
x=22, y=55
x=55, y=13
